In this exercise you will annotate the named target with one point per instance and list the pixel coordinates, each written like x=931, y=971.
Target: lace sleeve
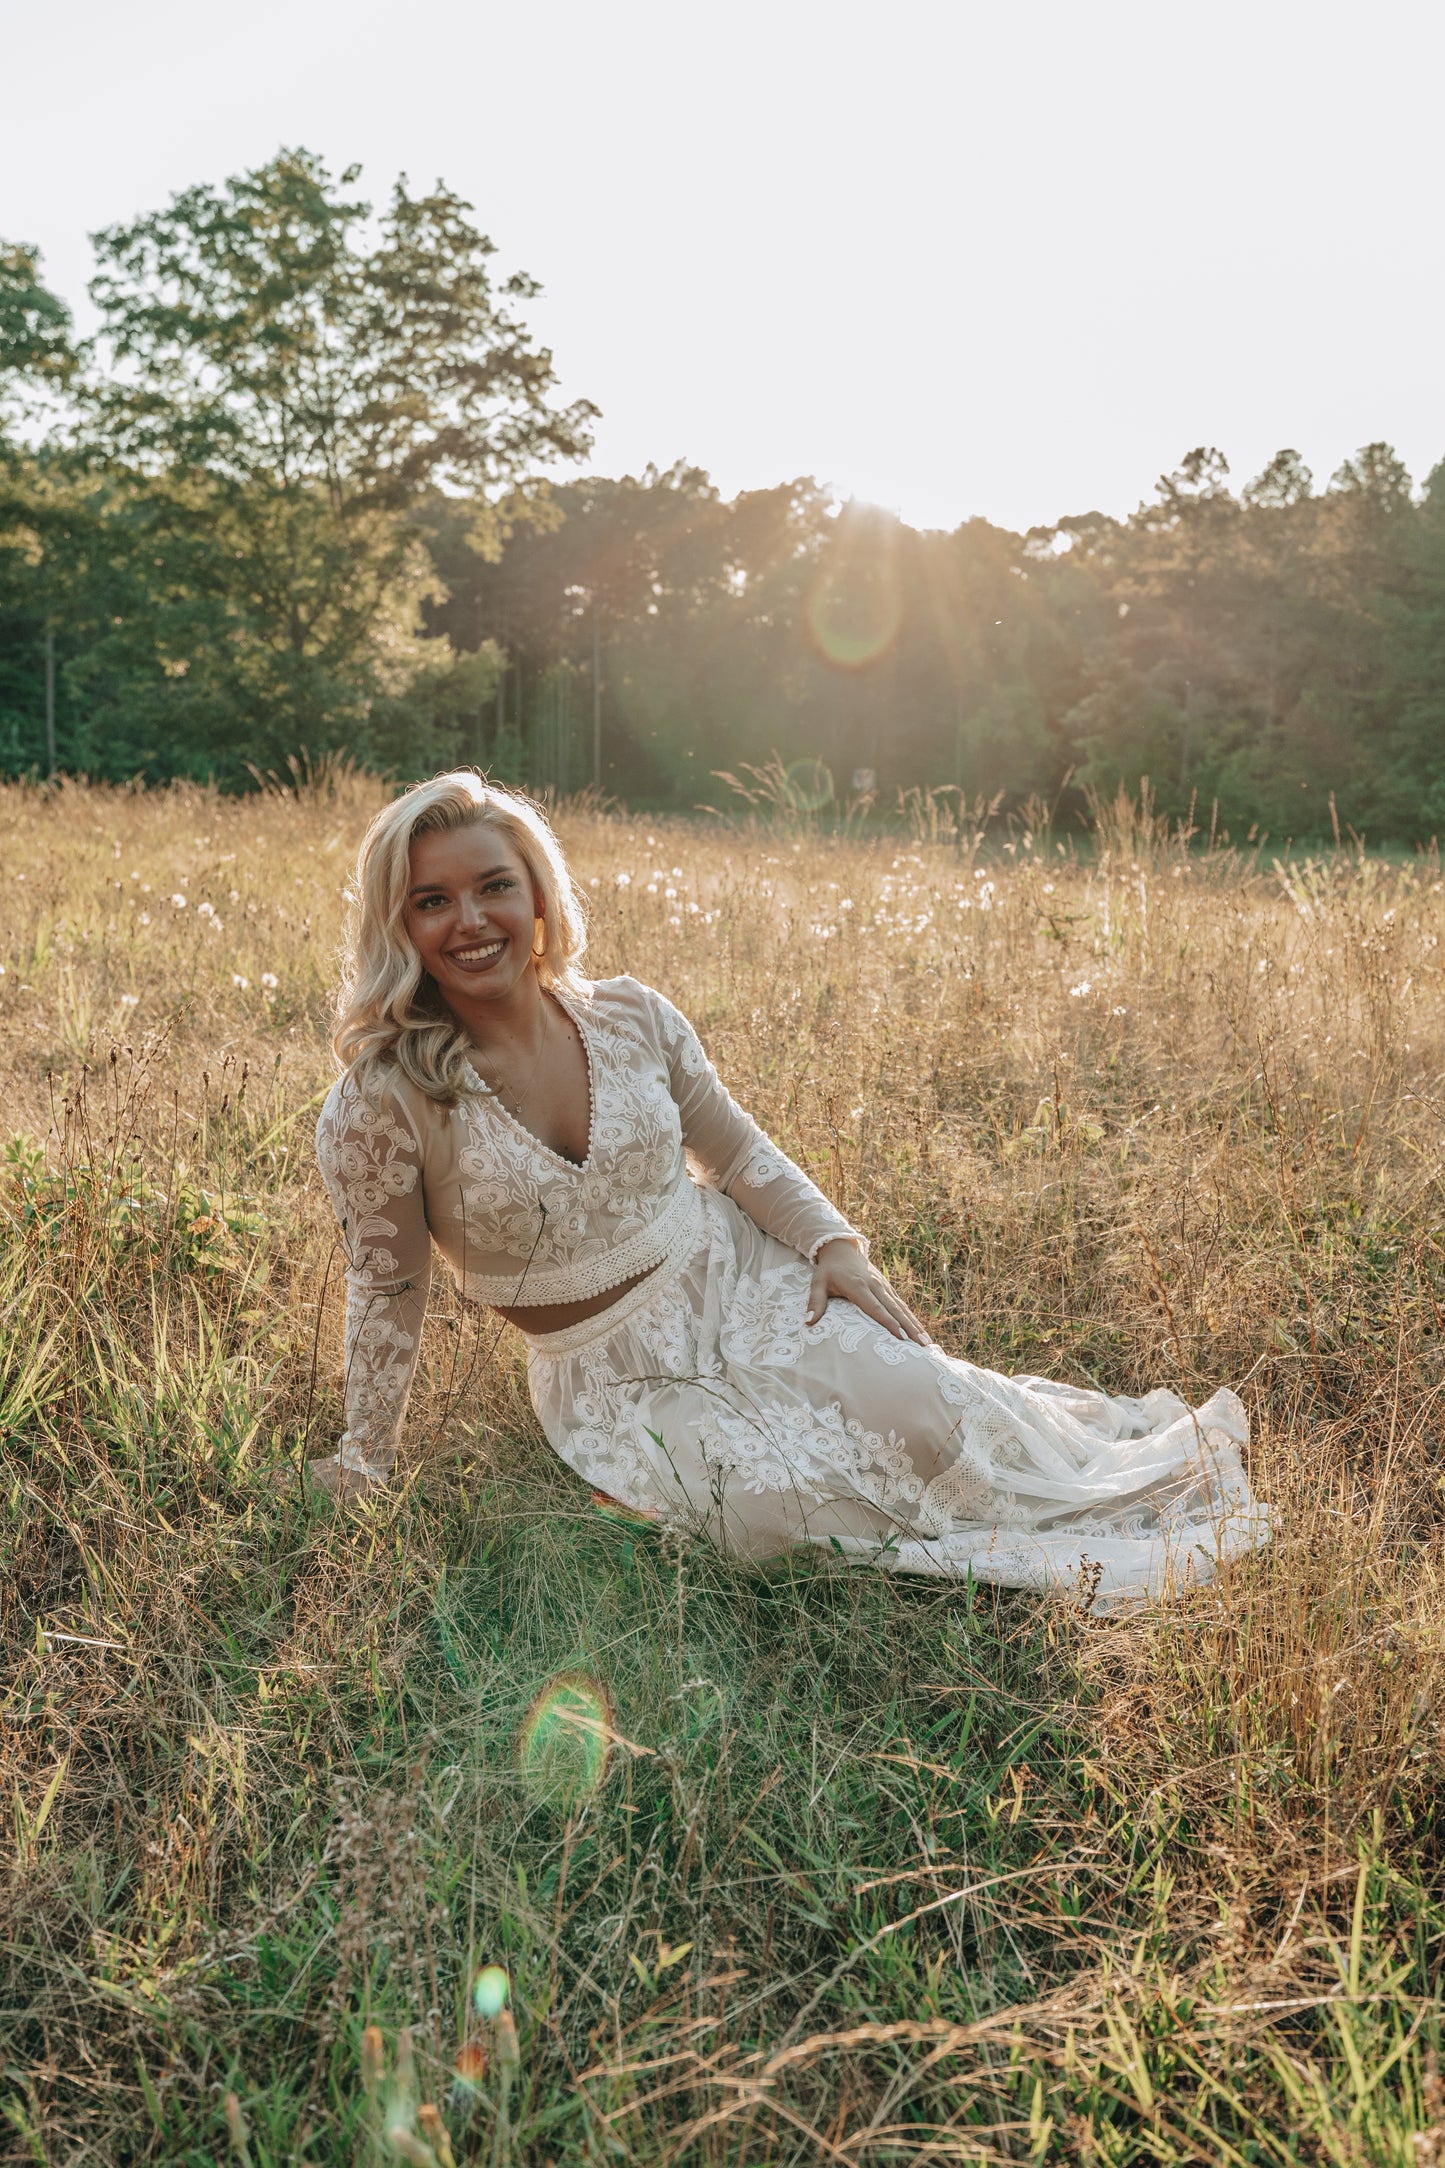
x=737, y=1156
x=371, y=1162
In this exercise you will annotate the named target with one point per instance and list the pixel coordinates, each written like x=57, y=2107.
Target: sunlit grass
x=789, y=1865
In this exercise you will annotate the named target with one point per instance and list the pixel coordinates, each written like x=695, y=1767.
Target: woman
x=710, y=1349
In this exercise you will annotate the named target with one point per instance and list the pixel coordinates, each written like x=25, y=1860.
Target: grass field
x=840, y=1869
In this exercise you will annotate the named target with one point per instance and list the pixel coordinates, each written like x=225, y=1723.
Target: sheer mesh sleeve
x=737, y=1156
x=371, y=1162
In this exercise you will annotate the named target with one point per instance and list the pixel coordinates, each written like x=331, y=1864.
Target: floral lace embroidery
x=380, y=1362
x=367, y=1157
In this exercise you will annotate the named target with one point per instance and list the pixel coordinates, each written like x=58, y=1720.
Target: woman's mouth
x=479, y=958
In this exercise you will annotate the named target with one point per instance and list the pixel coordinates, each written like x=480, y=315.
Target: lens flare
x=490, y=1990
x=565, y=1742
x=855, y=605
x=471, y=2063
x=613, y=1509
x=808, y=785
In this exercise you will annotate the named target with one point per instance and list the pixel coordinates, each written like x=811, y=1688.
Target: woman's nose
x=472, y=912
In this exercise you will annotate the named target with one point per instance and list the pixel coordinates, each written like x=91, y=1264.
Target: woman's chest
x=632, y=1143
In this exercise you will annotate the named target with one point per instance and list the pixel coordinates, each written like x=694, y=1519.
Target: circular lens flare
x=565, y=1743
x=471, y=2063
x=808, y=785
x=855, y=605
x=490, y=1990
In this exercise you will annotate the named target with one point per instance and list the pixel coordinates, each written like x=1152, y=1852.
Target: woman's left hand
x=843, y=1271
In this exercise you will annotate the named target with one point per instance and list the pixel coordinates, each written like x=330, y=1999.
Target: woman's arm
x=371, y=1161
x=774, y=1192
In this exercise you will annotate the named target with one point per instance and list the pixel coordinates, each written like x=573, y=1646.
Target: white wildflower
x=179, y=901
x=145, y=918
x=237, y=980
x=1076, y=993
x=270, y=981
x=130, y=1001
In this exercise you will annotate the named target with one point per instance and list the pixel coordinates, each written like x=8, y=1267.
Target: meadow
x=795, y=1865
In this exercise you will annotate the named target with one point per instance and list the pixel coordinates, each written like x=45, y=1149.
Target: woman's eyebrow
x=437, y=888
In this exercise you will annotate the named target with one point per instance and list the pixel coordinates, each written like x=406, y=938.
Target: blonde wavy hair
x=390, y=1015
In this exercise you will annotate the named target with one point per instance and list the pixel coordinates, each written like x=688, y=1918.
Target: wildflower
x=1118, y=1012
x=179, y=901
x=270, y=981
x=1076, y=993
x=130, y=1001
x=237, y=980
x=673, y=919
x=203, y=910
x=145, y=918
x=1048, y=888
x=623, y=880
x=985, y=896
x=845, y=903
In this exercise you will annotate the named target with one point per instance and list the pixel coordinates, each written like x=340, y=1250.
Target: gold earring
x=539, y=953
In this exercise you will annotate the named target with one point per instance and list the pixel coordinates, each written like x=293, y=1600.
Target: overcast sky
x=1008, y=260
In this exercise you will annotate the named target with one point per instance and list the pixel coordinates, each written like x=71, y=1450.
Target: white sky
x=1008, y=259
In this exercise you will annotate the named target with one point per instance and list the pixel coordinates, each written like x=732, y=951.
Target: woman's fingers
x=870, y=1293
x=900, y=1318
x=876, y=1304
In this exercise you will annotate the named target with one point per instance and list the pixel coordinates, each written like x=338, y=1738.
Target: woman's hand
x=841, y=1269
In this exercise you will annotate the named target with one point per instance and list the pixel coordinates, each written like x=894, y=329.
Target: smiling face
x=471, y=912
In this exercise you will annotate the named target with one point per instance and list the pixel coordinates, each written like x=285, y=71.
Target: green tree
x=276, y=387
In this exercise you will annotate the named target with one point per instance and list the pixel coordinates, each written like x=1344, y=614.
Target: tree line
x=286, y=496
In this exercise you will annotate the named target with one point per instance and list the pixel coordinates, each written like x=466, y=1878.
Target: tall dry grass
x=877, y=1871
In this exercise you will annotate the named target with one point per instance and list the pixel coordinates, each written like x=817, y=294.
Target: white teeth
x=480, y=955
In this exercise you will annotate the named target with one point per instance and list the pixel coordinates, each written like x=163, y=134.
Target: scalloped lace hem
x=676, y=1231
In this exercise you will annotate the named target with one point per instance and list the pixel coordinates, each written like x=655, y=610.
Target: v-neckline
x=490, y=1098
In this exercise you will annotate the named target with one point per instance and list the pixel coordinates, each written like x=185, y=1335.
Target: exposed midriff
x=557, y=1316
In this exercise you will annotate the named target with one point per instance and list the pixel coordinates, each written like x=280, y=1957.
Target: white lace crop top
x=518, y=1224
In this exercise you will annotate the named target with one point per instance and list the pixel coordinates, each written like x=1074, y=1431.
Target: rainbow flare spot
x=565, y=1742
x=490, y=1990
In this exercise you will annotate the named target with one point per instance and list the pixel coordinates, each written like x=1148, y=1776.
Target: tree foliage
x=290, y=495
x=277, y=383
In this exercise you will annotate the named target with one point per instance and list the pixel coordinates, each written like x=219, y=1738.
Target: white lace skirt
x=702, y=1400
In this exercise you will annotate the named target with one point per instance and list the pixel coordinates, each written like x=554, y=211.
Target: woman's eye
x=504, y=883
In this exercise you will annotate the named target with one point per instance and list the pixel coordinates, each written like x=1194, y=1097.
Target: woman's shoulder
x=629, y=1002
x=384, y=1104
